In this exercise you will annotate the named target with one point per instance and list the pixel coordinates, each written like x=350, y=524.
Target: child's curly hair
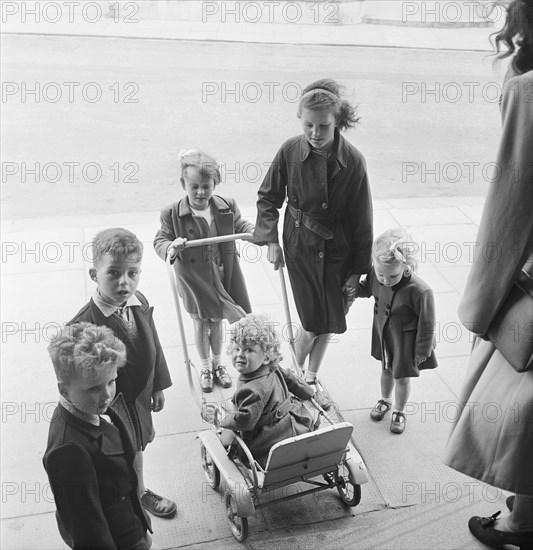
x=84, y=351
x=394, y=247
x=256, y=329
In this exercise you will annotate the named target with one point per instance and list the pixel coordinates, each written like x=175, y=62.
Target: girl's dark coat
x=404, y=320
x=194, y=267
x=334, y=193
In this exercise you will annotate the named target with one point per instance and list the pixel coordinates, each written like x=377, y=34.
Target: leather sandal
x=206, y=380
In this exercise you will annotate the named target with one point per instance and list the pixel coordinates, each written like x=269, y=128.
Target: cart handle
x=220, y=239
x=174, y=284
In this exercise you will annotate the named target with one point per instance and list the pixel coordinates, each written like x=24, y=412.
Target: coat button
x=294, y=199
x=191, y=231
x=192, y=260
x=321, y=255
x=324, y=205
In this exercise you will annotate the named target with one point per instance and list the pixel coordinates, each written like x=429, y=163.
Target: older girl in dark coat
x=211, y=281
x=265, y=411
x=327, y=232
x=403, y=331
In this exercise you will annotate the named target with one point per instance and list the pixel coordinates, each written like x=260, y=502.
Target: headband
x=327, y=92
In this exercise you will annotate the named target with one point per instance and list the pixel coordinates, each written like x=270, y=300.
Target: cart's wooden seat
x=306, y=456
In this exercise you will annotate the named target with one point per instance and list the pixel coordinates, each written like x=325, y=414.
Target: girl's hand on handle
x=419, y=359
x=275, y=255
x=176, y=246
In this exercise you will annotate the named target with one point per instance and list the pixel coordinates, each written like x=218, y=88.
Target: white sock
x=397, y=410
x=206, y=364
x=217, y=360
x=387, y=400
x=310, y=377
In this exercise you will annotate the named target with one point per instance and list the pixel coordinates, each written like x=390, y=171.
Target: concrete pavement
x=412, y=499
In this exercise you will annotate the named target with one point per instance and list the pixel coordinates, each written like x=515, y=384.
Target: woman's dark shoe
x=484, y=531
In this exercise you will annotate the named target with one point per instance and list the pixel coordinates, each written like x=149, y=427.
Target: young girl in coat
x=211, y=282
x=403, y=330
x=265, y=411
x=327, y=231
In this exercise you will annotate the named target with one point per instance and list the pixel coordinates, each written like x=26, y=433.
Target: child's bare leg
x=215, y=340
x=401, y=393
x=317, y=355
x=387, y=385
x=316, y=348
x=201, y=340
x=303, y=345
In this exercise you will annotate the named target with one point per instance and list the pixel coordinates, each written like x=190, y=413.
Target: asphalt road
x=94, y=125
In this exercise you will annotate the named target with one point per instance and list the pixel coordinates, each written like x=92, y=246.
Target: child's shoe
x=222, y=376
x=321, y=397
x=206, y=380
x=157, y=505
x=380, y=410
x=397, y=424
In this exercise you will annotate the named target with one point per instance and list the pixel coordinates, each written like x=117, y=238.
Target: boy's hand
x=176, y=246
x=158, y=401
x=275, y=255
x=419, y=359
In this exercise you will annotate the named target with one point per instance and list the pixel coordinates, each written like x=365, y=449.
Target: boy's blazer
x=94, y=484
x=146, y=369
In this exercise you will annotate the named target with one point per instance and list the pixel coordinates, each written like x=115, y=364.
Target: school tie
x=128, y=325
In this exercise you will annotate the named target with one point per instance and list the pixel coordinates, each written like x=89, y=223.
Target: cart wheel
x=348, y=491
x=210, y=470
x=239, y=526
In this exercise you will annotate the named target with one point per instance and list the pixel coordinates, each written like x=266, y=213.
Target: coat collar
x=117, y=411
x=263, y=370
x=108, y=309
x=216, y=203
x=339, y=151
